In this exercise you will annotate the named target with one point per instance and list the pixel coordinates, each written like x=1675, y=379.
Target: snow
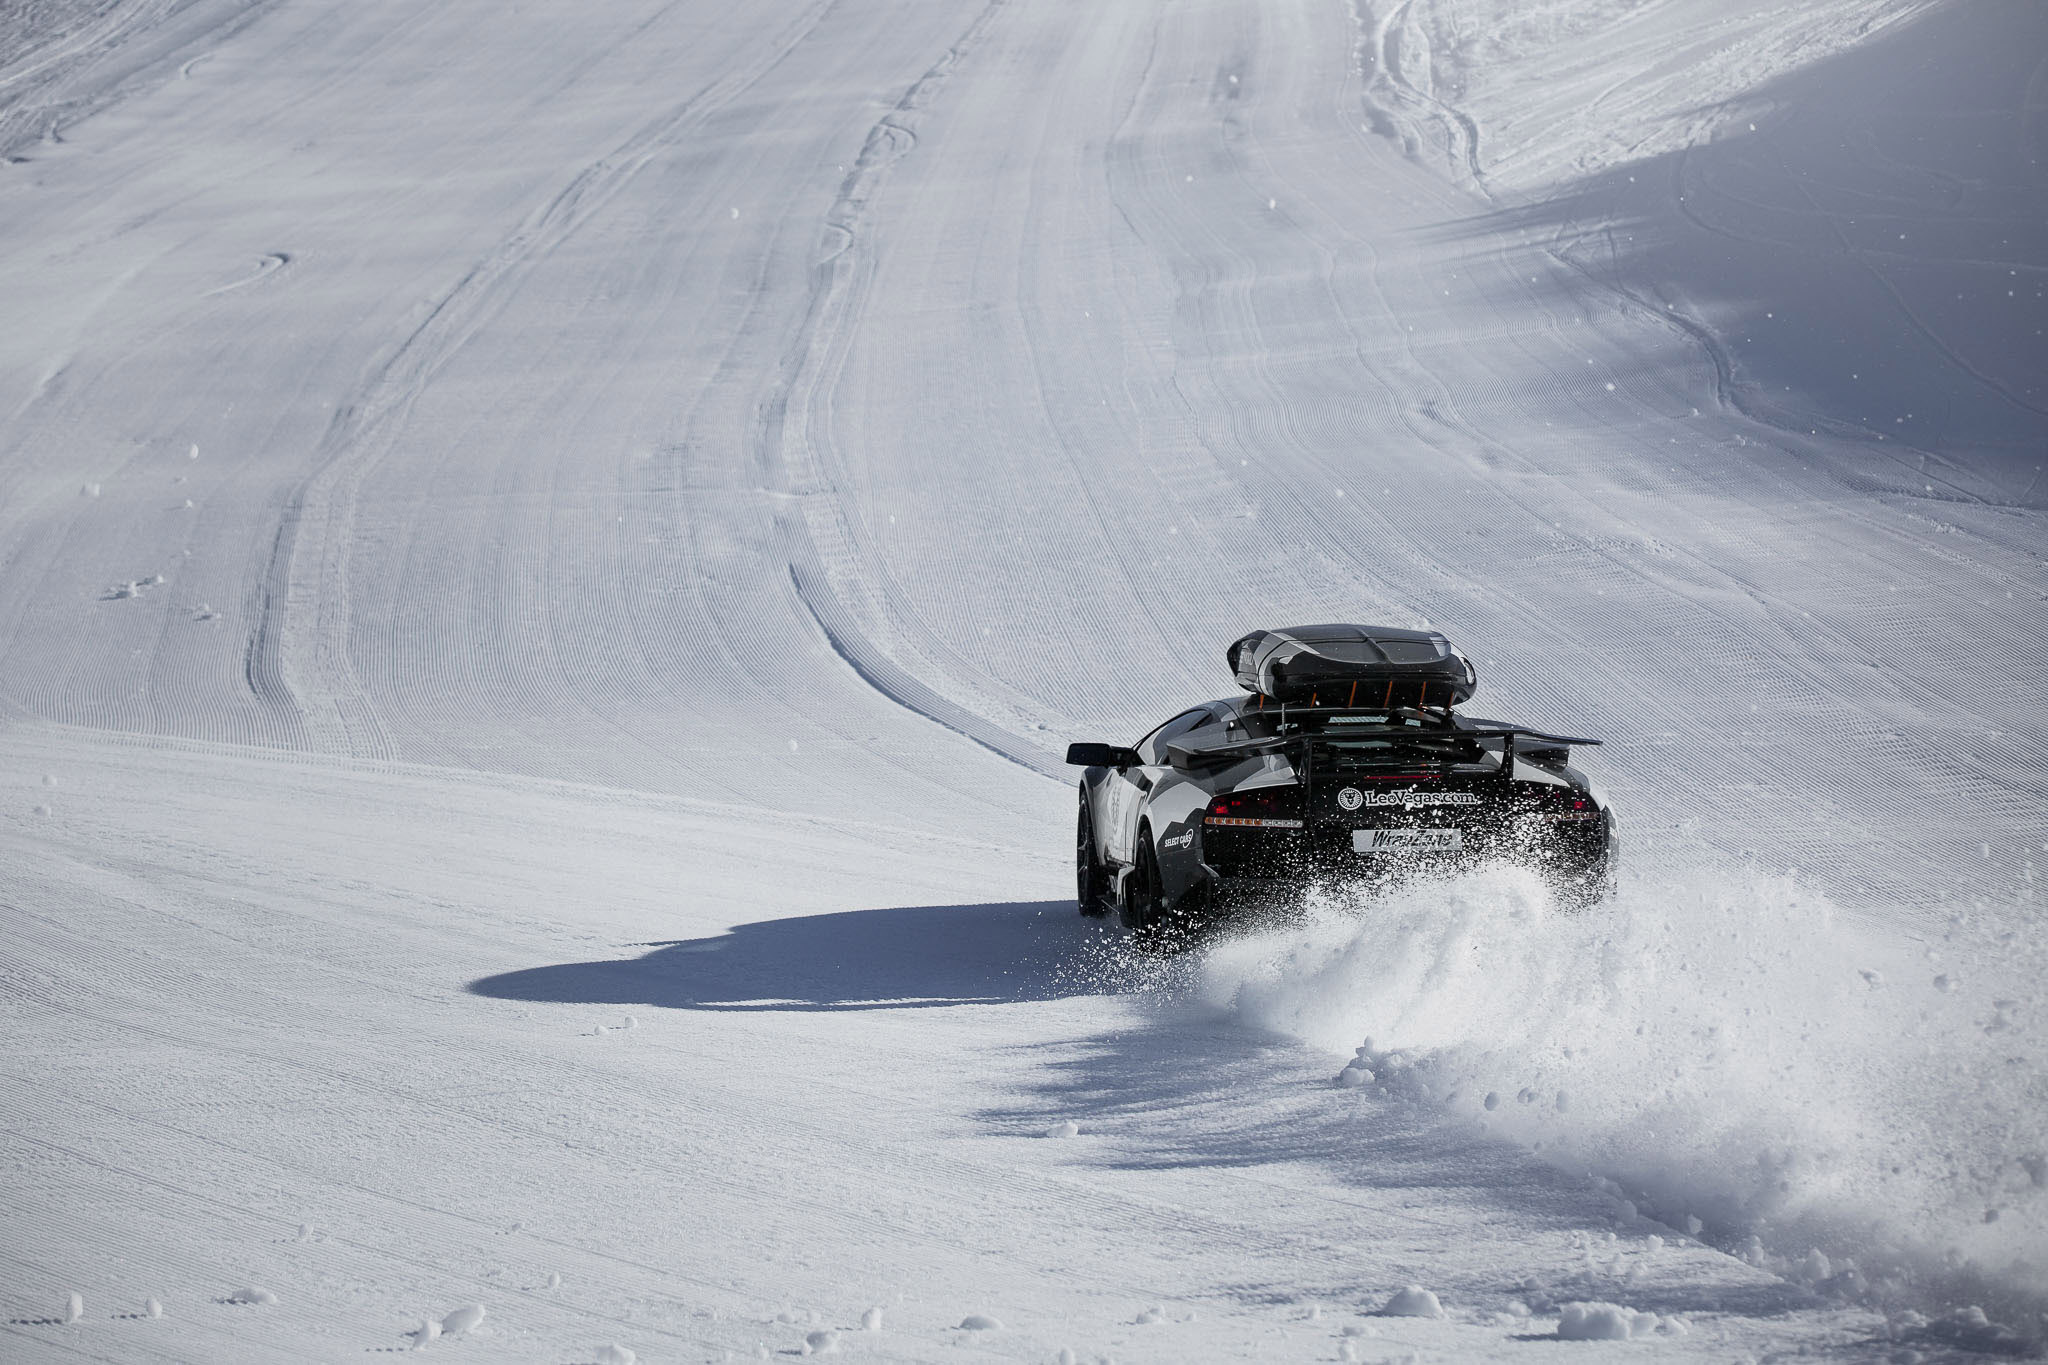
x=1642, y=1039
x=1612, y=1322
x=462, y=1320
x=1412, y=1302
x=563, y=797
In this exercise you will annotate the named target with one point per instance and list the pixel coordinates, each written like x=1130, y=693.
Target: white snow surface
x=1610, y=1322
x=548, y=555
x=1413, y=1302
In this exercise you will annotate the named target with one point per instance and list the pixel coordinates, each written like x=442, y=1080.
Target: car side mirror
x=1101, y=756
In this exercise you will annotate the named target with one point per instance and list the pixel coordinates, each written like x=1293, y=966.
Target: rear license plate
x=1406, y=840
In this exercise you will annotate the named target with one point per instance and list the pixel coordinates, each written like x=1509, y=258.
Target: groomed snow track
x=548, y=555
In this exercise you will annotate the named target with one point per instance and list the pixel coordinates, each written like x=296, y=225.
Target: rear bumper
x=1569, y=852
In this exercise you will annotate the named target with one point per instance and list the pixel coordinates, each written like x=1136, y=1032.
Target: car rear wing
x=1185, y=756
x=1513, y=730
x=1193, y=756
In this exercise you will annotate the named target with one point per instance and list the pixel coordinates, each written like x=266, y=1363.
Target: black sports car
x=1346, y=759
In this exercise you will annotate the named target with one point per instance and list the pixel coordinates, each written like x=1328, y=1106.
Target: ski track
x=508, y=526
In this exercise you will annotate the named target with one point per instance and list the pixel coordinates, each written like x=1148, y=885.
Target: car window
x=1152, y=748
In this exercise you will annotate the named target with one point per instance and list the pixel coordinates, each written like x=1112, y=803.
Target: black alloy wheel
x=1154, y=926
x=1091, y=879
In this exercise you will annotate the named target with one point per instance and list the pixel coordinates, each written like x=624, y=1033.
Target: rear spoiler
x=1524, y=730
x=1187, y=756
x=1184, y=756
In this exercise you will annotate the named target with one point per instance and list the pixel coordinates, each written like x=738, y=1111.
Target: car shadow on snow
x=902, y=957
x=1178, y=1085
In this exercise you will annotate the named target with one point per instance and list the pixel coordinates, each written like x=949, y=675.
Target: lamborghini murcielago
x=1345, y=759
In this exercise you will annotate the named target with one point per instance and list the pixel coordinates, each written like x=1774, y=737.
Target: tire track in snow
x=1383, y=60
x=297, y=657
x=33, y=103
x=830, y=556
x=882, y=673
x=39, y=70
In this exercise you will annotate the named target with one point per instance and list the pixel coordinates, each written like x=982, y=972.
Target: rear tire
x=1155, y=926
x=1091, y=879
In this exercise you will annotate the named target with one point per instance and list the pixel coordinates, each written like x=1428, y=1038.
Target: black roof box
x=1343, y=665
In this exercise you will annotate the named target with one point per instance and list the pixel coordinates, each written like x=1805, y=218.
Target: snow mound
x=1358, y=1071
x=1064, y=1130
x=1413, y=1302
x=151, y=1308
x=980, y=1322
x=462, y=1320
x=74, y=1308
x=425, y=1334
x=1612, y=1322
x=1595, y=1322
x=252, y=1295
x=616, y=1354
x=871, y=1321
x=824, y=1341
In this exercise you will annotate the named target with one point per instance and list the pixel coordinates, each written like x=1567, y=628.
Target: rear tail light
x=1265, y=808
x=1568, y=805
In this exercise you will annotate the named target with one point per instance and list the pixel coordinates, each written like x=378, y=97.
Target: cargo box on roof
x=1346, y=665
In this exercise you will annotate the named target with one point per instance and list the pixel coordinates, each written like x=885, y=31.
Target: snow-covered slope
x=550, y=553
